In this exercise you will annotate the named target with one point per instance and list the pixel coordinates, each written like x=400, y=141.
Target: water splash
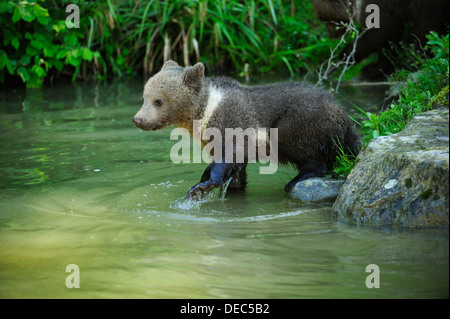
x=223, y=188
x=190, y=204
x=163, y=185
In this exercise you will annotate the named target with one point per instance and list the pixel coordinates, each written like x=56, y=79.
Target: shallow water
x=79, y=184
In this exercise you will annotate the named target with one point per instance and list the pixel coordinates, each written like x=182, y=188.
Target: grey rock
x=317, y=190
x=401, y=179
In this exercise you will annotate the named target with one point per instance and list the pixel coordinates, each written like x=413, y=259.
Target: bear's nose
x=137, y=120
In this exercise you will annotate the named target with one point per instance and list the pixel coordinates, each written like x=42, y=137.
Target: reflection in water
x=81, y=185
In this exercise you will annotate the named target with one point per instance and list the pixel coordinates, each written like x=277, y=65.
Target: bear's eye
x=158, y=102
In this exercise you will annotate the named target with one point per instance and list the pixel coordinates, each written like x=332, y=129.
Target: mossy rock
x=440, y=100
x=401, y=179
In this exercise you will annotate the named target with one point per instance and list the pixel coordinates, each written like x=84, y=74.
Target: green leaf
x=38, y=70
x=43, y=37
x=41, y=14
x=76, y=53
x=25, y=59
x=23, y=72
x=11, y=65
x=34, y=82
x=43, y=20
x=6, y=7
x=272, y=11
x=291, y=71
x=50, y=51
x=23, y=11
x=87, y=54
x=59, y=26
x=7, y=38
x=61, y=54
x=31, y=51
x=58, y=64
x=37, y=44
x=15, y=42
x=73, y=59
x=16, y=14
x=120, y=60
x=3, y=59
x=70, y=40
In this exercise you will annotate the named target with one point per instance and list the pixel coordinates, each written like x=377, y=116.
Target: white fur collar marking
x=214, y=98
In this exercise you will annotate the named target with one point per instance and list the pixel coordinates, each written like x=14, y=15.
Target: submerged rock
x=317, y=190
x=401, y=179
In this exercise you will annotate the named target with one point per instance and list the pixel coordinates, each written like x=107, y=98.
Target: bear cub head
x=171, y=96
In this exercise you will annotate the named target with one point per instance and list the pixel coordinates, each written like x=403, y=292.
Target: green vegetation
x=423, y=89
x=345, y=162
x=117, y=38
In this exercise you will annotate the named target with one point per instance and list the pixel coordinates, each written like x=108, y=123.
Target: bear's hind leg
x=313, y=168
x=239, y=180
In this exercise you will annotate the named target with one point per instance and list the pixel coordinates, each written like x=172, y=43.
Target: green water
x=79, y=184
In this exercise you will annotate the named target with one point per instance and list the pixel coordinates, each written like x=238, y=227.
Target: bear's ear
x=169, y=64
x=193, y=76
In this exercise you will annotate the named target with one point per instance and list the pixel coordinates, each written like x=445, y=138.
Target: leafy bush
x=36, y=45
x=121, y=37
x=423, y=89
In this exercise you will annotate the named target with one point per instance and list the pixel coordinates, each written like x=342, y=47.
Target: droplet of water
x=224, y=187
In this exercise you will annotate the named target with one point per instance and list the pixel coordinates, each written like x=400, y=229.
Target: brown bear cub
x=311, y=126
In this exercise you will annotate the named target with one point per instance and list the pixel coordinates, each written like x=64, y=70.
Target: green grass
x=421, y=91
x=345, y=162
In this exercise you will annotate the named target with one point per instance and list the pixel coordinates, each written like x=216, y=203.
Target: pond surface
x=80, y=184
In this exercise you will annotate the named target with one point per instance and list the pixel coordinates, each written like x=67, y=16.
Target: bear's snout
x=148, y=126
x=137, y=121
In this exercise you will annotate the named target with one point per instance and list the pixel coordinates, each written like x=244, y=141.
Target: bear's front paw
x=201, y=189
